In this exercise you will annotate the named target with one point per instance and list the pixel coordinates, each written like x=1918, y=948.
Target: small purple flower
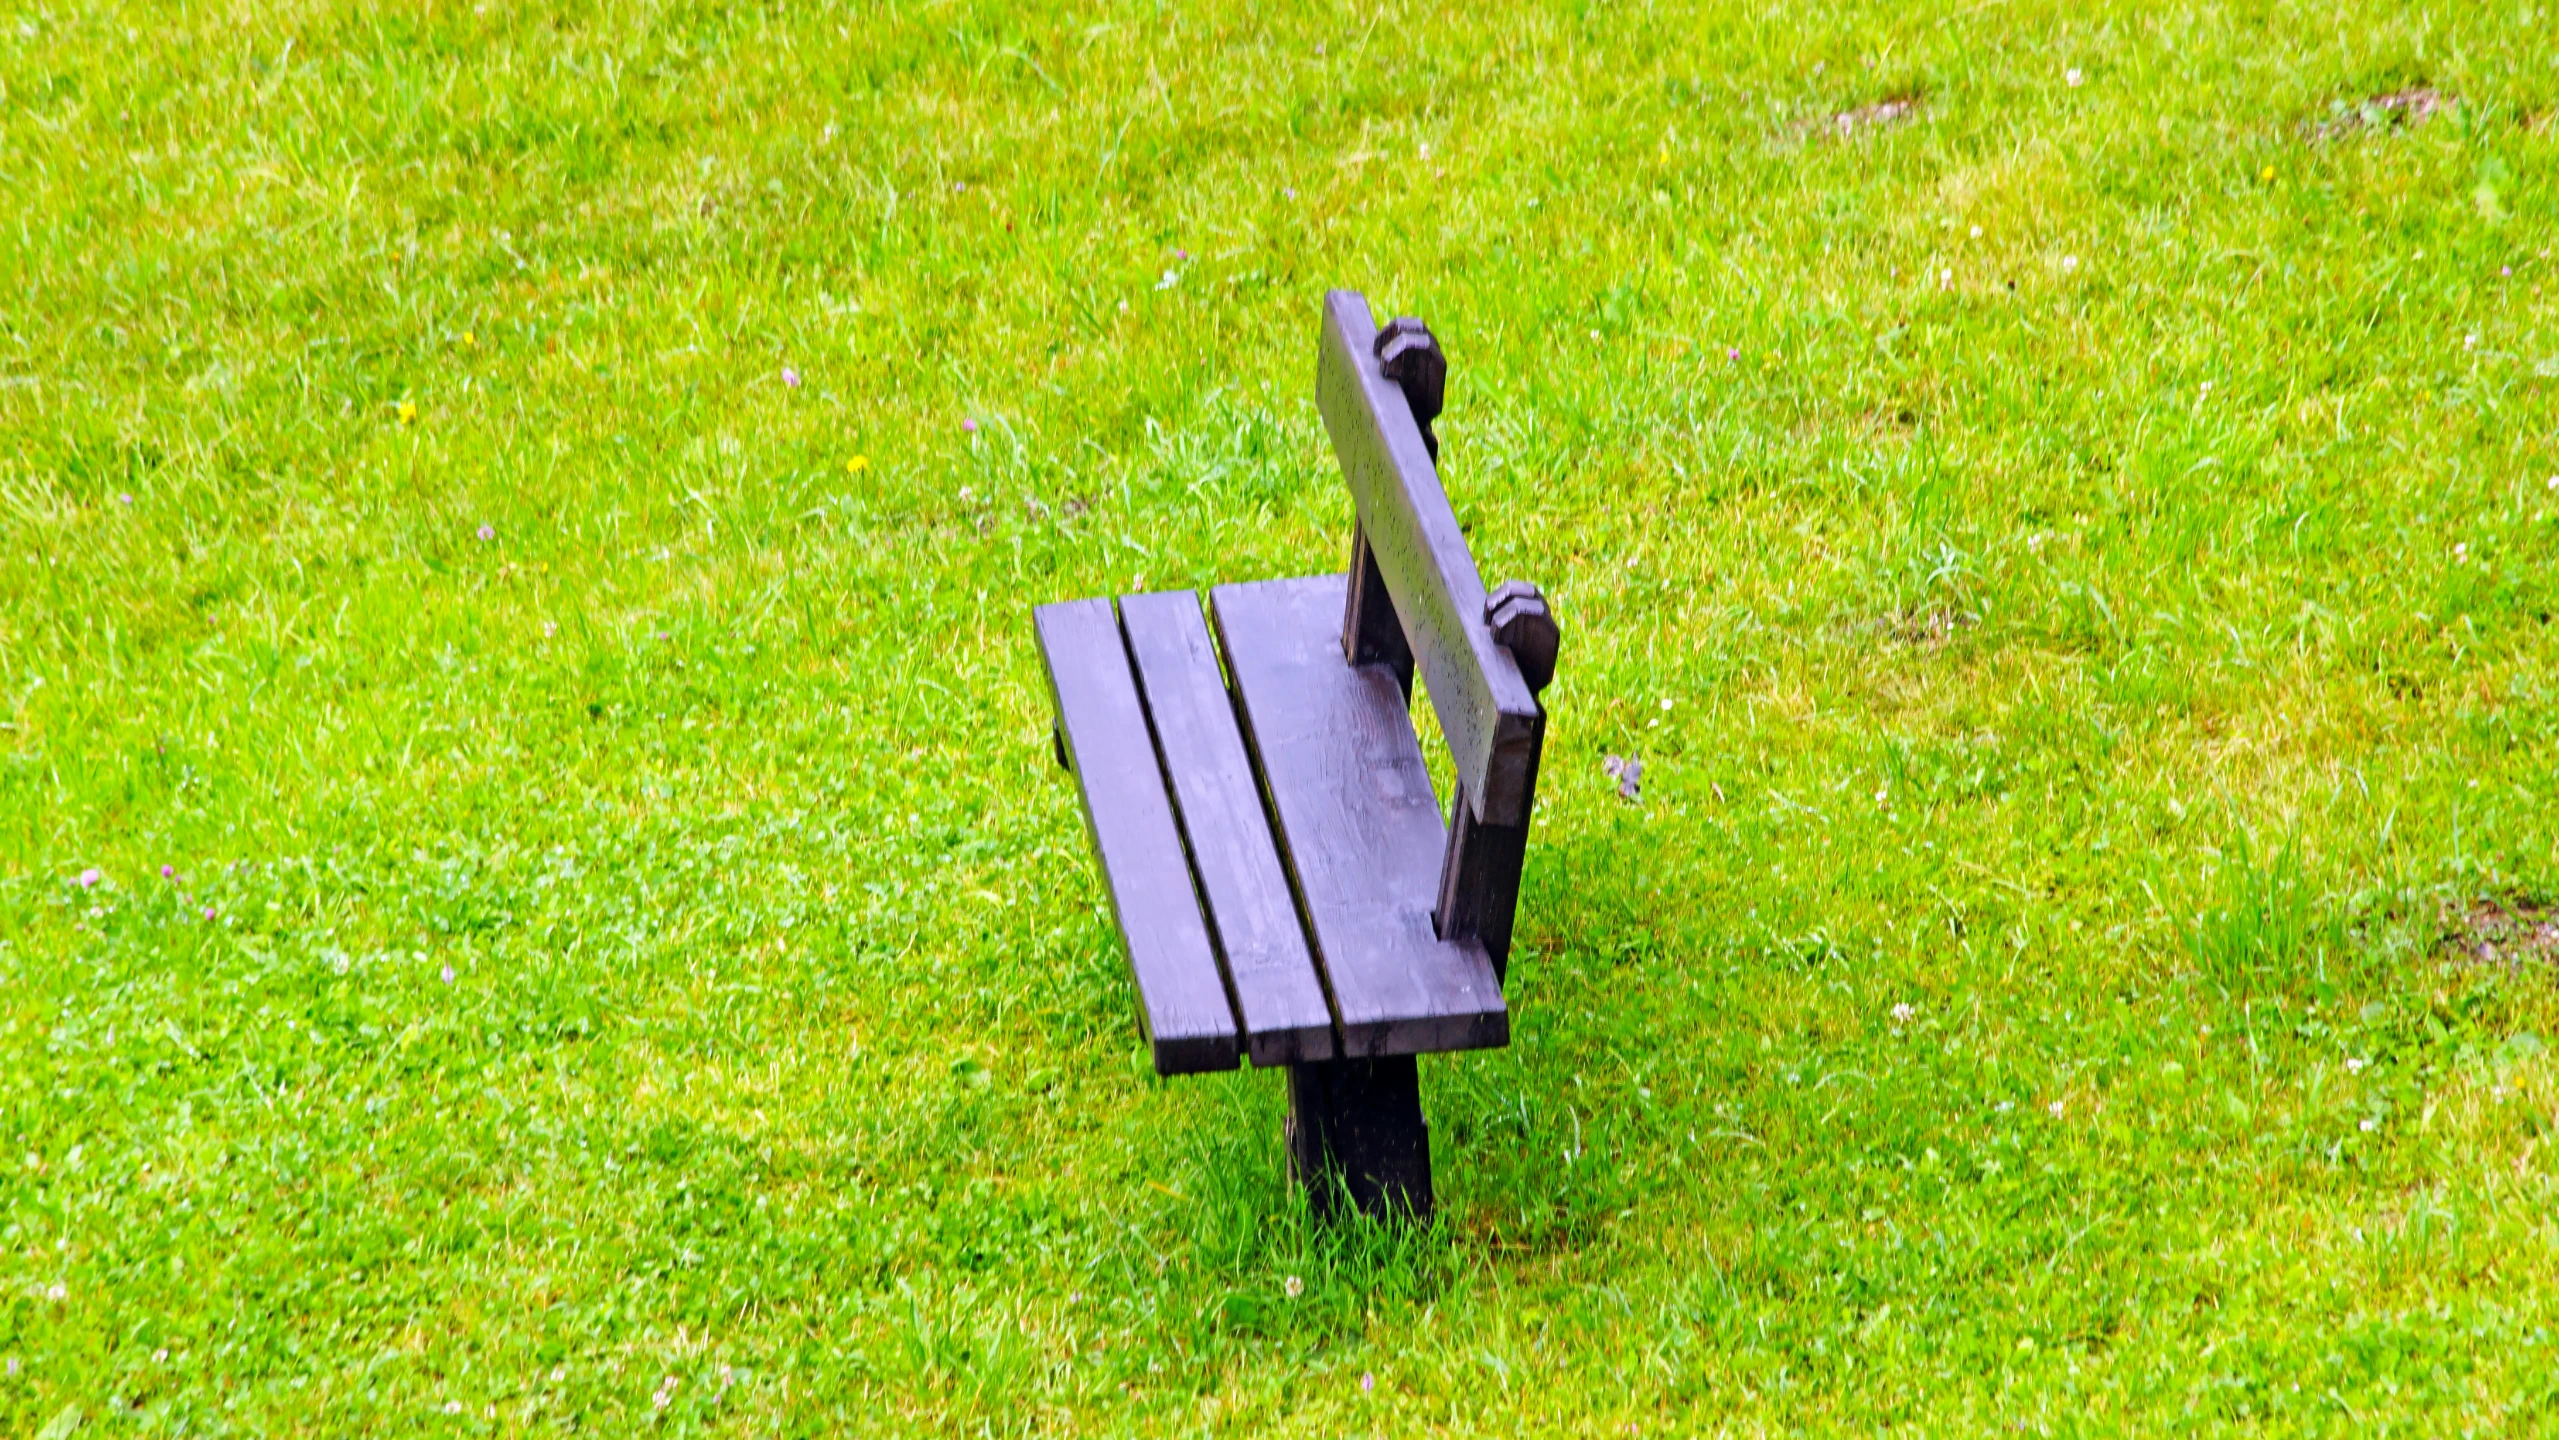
x=962, y=187
x=970, y=425
x=168, y=872
x=1181, y=254
x=89, y=879
x=488, y=532
x=448, y=974
x=1735, y=353
x=790, y=377
x=1367, y=1381
x=128, y=499
x=208, y=914
x=2505, y=269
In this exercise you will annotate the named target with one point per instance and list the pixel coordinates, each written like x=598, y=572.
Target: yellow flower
x=408, y=411
x=2267, y=175
x=857, y=464
x=470, y=337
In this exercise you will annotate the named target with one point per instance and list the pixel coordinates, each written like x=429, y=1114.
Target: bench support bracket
x=1479, y=881
x=1356, y=1137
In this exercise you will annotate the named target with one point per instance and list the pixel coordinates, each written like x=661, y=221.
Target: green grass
x=2076, y=564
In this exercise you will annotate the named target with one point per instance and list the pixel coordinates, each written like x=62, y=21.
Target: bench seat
x=1358, y=821
x=1217, y=909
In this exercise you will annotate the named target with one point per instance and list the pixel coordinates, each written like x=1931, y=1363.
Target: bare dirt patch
x=2503, y=930
x=1881, y=423
x=1849, y=124
x=2399, y=109
x=1923, y=627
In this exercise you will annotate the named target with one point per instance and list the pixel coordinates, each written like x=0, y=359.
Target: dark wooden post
x=1372, y=633
x=1479, y=877
x=1356, y=1136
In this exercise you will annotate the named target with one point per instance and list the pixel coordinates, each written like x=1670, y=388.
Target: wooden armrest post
x=1479, y=877
x=1479, y=882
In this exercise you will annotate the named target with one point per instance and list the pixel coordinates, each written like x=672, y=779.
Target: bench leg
x=1355, y=1129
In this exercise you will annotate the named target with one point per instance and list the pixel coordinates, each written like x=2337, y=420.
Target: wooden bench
x=1285, y=885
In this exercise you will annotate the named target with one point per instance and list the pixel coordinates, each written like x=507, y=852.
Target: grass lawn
x=533, y=894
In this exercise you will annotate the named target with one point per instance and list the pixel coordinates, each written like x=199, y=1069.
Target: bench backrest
x=1433, y=614
x=1484, y=704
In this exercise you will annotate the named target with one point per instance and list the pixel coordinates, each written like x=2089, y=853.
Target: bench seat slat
x=1358, y=825
x=1182, y=999
x=1277, y=993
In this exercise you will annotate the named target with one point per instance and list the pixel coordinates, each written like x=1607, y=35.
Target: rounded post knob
x=1517, y=615
x=1409, y=355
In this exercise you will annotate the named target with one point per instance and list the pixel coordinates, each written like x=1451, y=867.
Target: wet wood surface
x=1484, y=705
x=1252, y=917
x=1358, y=825
x=1183, y=1004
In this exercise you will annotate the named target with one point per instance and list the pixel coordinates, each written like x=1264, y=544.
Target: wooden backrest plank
x=1182, y=998
x=1278, y=994
x=1358, y=826
x=1485, y=707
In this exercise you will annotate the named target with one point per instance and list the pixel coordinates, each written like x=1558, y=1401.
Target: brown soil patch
x=2507, y=931
x=1849, y=124
x=1926, y=627
x=2400, y=108
x=1888, y=424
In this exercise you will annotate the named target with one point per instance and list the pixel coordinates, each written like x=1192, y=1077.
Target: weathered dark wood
x=1355, y=1135
x=1252, y=917
x=1358, y=826
x=1182, y=1000
x=1409, y=354
x=1371, y=635
x=1516, y=614
x=1479, y=882
x=1484, y=705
